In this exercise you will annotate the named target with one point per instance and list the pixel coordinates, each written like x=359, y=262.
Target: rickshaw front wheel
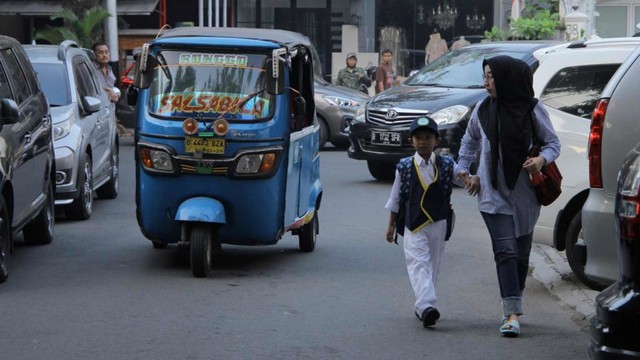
x=307, y=237
x=200, y=239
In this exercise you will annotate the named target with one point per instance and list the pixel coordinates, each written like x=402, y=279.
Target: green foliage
x=496, y=35
x=538, y=21
x=85, y=31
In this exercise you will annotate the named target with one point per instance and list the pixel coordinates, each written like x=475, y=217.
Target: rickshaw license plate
x=386, y=138
x=204, y=145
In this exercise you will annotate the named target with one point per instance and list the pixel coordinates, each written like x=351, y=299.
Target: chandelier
x=445, y=16
x=475, y=22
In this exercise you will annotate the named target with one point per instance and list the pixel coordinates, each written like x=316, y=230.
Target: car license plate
x=204, y=145
x=386, y=138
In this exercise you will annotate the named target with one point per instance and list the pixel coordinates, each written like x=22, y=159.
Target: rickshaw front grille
x=203, y=167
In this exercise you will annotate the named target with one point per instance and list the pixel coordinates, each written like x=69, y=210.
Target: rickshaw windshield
x=207, y=84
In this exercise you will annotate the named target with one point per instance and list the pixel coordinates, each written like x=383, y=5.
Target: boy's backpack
x=445, y=173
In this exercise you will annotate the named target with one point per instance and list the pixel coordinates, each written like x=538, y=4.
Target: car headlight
x=450, y=115
x=156, y=160
x=339, y=101
x=62, y=129
x=360, y=114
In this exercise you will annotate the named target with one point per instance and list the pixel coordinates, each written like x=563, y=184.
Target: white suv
x=569, y=81
x=615, y=130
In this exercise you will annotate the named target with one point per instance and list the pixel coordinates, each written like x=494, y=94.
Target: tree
x=539, y=21
x=85, y=31
x=80, y=6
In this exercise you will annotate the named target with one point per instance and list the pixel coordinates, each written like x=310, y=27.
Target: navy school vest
x=420, y=206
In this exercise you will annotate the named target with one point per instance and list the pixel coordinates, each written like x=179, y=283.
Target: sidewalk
x=552, y=269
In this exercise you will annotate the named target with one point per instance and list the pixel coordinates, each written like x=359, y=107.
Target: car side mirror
x=9, y=112
x=90, y=104
x=132, y=96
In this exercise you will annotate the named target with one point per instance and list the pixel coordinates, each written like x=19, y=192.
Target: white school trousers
x=423, y=251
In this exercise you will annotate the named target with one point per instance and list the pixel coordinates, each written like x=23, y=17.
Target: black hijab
x=506, y=120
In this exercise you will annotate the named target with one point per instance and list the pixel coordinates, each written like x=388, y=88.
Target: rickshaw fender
x=202, y=209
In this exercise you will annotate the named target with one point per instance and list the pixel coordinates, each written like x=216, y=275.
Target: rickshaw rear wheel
x=200, y=239
x=307, y=237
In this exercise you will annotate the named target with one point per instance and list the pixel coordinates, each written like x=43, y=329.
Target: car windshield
x=51, y=76
x=186, y=83
x=459, y=69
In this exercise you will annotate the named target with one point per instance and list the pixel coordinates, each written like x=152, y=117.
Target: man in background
x=385, y=75
x=353, y=77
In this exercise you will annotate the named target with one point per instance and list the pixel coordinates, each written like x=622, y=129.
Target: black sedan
x=447, y=90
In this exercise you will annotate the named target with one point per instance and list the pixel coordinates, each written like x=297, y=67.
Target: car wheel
x=307, y=237
x=573, y=241
x=5, y=240
x=81, y=207
x=324, y=133
x=40, y=230
x=342, y=145
x=201, y=249
x=110, y=189
x=381, y=170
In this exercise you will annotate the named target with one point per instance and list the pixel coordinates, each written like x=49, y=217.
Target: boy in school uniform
x=420, y=211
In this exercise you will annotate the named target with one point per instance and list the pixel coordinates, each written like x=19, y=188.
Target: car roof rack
x=62, y=48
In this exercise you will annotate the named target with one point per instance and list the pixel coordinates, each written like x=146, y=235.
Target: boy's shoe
x=429, y=316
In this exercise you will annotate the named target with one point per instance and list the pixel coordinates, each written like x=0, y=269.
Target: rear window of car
x=54, y=83
x=575, y=90
x=460, y=69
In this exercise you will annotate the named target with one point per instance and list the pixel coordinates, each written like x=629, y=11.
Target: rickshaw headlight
x=156, y=159
x=255, y=163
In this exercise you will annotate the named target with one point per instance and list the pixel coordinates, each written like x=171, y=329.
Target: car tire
x=82, y=206
x=5, y=240
x=110, y=189
x=342, y=145
x=40, y=230
x=201, y=249
x=324, y=133
x=573, y=238
x=307, y=237
x=381, y=170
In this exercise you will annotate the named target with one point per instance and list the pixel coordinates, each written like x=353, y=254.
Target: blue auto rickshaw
x=226, y=140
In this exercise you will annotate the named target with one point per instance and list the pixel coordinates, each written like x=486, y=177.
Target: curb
x=551, y=268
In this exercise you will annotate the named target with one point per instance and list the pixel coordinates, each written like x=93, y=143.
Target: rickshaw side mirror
x=132, y=96
x=145, y=64
x=275, y=85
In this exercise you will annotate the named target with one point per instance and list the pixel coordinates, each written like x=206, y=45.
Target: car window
x=16, y=76
x=5, y=90
x=86, y=83
x=462, y=68
x=54, y=83
x=575, y=90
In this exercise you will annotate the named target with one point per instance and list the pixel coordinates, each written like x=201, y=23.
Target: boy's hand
x=391, y=230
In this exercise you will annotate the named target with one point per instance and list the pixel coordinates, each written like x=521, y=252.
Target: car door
x=27, y=137
x=95, y=126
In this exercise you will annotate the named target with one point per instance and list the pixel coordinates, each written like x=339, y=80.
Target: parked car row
x=58, y=140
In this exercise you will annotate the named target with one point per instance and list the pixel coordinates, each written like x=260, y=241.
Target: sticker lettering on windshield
x=207, y=102
x=214, y=59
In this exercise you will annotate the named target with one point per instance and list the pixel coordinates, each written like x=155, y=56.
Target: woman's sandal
x=510, y=328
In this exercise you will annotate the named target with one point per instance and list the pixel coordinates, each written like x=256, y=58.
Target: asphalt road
x=100, y=291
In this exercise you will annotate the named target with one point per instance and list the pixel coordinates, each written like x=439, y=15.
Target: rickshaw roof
x=286, y=38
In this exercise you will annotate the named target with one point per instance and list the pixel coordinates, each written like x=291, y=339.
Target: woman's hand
x=534, y=164
x=471, y=182
x=391, y=230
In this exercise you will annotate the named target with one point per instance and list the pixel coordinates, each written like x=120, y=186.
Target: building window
x=612, y=21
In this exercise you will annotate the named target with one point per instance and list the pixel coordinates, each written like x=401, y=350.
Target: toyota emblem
x=392, y=114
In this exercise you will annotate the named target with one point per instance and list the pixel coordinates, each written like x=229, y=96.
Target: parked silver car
x=85, y=134
x=614, y=132
x=335, y=108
